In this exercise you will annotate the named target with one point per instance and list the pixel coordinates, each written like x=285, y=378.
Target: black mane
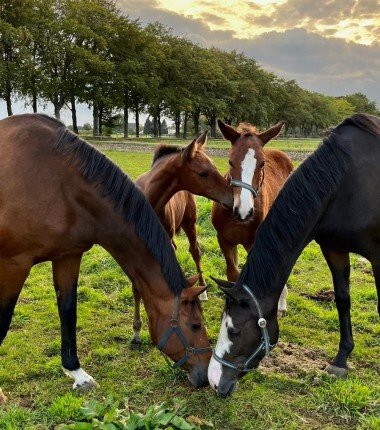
x=164, y=150
x=129, y=200
x=289, y=224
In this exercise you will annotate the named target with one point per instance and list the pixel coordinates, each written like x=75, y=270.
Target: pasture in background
x=289, y=391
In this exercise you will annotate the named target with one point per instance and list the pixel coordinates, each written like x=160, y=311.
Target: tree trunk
x=126, y=120
x=185, y=121
x=101, y=109
x=137, y=119
x=95, y=123
x=177, y=122
x=74, y=115
x=196, y=115
x=155, y=127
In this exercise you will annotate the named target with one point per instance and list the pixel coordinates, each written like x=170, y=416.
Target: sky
x=328, y=46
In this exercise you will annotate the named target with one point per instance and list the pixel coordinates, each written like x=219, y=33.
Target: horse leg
x=376, y=274
x=339, y=264
x=136, y=340
x=12, y=278
x=189, y=226
x=282, y=306
x=230, y=253
x=65, y=276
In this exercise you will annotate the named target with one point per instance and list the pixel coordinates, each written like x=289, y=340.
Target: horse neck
x=161, y=182
x=119, y=239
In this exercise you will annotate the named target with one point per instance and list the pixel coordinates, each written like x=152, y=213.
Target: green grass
x=289, y=391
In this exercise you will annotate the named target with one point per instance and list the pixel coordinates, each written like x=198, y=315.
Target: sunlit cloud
x=352, y=20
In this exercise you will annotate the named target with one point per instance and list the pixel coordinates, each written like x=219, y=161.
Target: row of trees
x=66, y=52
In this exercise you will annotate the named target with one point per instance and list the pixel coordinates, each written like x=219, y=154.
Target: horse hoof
x=340, y=372
x=135, y=345
x=3, y=398
x=86, y=386
x=281, y=313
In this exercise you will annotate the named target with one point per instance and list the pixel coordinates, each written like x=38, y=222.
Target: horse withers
x=256, y=175
x=58, y=197
x=331, y=198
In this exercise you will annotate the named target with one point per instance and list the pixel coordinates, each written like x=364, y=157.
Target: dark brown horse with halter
x=175, y=176
x=333, y=198
x=58, y=197
x=256, y=176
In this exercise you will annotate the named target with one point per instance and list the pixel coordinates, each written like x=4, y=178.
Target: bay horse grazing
x=175, y=176
x=256, y=176
x=333, y=198
x=58, y=197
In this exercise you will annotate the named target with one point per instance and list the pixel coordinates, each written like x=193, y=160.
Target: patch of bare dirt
x=293, y=361
x=321, y=296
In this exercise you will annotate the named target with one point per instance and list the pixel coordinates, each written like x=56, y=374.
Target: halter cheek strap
x=263, y=345
x=174, y=327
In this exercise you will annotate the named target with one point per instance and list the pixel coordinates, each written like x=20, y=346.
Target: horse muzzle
x=198, y=376
x=226, y=387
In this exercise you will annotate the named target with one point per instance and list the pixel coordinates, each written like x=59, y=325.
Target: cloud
x=327, y=65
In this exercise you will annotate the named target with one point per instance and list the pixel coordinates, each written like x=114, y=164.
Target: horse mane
x=289, y=223
x=246, y=128
x=366, y=122
x=129, y=200
x=163, y=150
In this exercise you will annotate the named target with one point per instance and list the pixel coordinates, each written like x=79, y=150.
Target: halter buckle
x=174, y=323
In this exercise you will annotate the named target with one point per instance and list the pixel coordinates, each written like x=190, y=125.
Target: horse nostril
x=236, y=212
x=250, y=212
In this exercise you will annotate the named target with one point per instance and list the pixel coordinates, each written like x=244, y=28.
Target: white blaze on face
x=248, y=166
x=222, y=347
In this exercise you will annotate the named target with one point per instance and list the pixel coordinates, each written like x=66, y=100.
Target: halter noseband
x=174, y=327
x=241, y=184
x=263, y=345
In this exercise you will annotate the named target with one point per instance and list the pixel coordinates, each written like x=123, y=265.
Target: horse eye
x=196, y=327
x=233, y=332
x=203, y=174
x=230, y=163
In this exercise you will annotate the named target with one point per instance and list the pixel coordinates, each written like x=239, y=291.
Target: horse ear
x=272, y=132
x=192, y=280
x=202, y=139
x=229, y=289
x=223, y=284
x=190, y=150
x=192, y=292
x=228, y=132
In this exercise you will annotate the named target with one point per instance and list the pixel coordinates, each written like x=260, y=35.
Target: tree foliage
x=66, y=52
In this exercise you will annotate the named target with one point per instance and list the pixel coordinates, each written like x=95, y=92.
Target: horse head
x=249, y=330
x=200, y=176
x=247, y=164
x=183, y=338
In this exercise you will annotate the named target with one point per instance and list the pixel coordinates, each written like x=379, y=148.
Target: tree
x=148, y=127
x=164, y=127
x=361, y=103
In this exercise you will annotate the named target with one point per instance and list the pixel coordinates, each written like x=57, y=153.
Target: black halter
x=263, y=345
x=174, y=327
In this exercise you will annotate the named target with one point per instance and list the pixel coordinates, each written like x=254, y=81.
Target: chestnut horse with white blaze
x=256, y=175
x=58, y=197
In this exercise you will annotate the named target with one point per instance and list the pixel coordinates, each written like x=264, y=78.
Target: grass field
x=289, y=391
